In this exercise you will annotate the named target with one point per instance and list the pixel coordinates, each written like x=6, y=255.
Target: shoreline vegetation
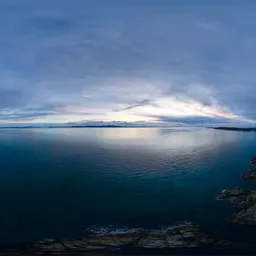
x=234, y=129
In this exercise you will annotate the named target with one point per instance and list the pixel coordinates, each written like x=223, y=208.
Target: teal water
x=58, y=182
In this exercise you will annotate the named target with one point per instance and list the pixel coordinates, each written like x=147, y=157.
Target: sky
x=142, y=61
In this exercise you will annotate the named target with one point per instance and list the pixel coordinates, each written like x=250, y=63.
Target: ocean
x=56, y=183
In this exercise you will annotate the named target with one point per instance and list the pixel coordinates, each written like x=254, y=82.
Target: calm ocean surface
x=58, y=182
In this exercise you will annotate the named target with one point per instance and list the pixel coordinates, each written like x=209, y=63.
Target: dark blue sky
x=144, y=60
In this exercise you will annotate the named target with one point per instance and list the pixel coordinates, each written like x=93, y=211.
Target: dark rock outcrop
x=183, y=235
x=238, y=198
x=245, y=217
x=241, y=198
x=251, y=175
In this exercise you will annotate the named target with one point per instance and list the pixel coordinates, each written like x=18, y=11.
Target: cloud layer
x=149, y=60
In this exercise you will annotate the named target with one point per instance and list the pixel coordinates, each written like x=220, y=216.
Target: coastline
x=178, y=236
x=234, y=129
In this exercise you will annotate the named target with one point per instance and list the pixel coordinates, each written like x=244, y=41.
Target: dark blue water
x=58, y=182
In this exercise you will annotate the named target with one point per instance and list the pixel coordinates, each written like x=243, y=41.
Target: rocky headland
x=251, y=174
x=244, y=199
x=185, y=235
x=238, y=198
x=234, y=129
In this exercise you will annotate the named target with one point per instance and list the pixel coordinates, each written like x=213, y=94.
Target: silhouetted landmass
x=93, y=126
x=65, y=126
x=21, y=127
x=235, y=129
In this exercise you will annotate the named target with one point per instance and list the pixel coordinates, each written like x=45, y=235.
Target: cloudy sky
x=131, y=60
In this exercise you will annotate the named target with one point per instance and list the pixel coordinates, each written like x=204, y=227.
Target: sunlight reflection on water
x=64, y=180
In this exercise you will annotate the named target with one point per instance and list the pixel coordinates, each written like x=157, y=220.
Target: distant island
x=234, y=129
x=64, y=126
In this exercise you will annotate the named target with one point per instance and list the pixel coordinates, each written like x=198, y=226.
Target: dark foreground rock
x=241, y=198
x=251, y=175
x=245, y=217
x=238, y=198
x=183, y=235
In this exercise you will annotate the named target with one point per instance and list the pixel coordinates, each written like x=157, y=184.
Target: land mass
x=63, y=126
x=234, y=129
x=245, y=200
x=183, y=235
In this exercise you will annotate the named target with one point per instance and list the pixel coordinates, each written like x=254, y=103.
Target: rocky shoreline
x=238, y=198
x=184, y=235
x=244, y=199
x=251, y=175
